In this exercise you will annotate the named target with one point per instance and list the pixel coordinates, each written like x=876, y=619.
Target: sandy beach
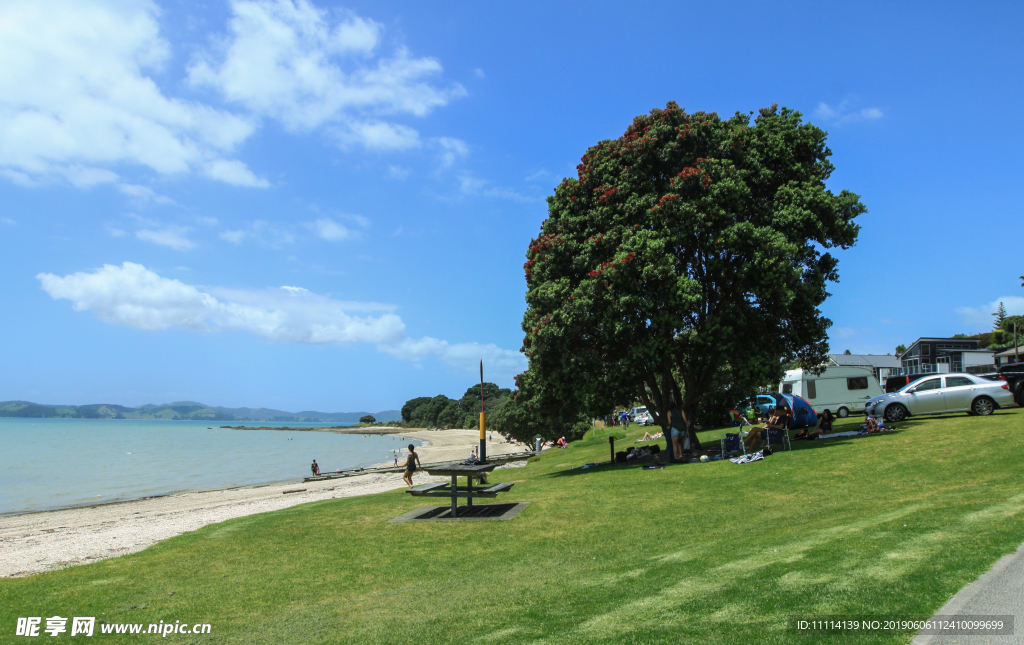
x=36, y=542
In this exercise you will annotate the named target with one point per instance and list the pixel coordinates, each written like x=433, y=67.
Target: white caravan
x=840, y=389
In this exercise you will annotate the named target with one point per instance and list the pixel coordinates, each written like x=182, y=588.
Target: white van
x=840, y=389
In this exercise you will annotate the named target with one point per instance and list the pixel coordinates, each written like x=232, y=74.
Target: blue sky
x=326, y=206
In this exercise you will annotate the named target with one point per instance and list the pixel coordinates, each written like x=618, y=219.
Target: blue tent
x=803, y=412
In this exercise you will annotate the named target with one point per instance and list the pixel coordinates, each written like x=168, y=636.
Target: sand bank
x=36, y=542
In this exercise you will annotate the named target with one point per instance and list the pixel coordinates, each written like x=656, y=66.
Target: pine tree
x=1000, y=315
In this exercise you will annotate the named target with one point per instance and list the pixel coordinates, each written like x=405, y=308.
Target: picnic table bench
x=453, y=490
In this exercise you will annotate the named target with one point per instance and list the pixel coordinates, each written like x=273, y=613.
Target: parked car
x=762, y=403
x=899, y=381
x=941, y=393
x=1013, y=374
x=643, y=419
x=841, y=390
x=635, y=412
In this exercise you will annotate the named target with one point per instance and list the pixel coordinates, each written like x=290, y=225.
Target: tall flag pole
x=483, y=417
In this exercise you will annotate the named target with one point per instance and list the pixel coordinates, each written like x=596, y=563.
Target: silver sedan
x=939, y=394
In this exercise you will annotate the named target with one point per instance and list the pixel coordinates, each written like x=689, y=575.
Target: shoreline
x=381, y=430
x=424, y=445
x=428, y=451
x=39, y=541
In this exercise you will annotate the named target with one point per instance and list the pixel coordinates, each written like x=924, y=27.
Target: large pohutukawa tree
x=688, y=258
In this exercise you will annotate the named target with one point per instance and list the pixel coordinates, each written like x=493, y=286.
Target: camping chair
x=732, y=442
x=775, y=436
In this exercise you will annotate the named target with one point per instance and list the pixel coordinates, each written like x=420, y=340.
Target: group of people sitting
x=779, y=420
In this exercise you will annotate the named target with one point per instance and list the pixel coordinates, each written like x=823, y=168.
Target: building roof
x=1009, y=352
x=865, y=360
x=925, y=339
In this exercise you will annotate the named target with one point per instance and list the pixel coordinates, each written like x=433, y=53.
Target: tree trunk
x=694, y=441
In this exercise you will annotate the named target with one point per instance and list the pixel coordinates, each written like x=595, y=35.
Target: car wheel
x=895, y=413
x=842, y=413
x=983, y=406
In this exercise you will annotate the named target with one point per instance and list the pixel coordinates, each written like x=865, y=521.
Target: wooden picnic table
x=454, y=490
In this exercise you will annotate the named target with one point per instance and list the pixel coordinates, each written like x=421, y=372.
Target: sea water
x=58, y=463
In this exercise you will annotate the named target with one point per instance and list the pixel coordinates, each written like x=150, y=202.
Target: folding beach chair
x=777, y=437
x=732, y=442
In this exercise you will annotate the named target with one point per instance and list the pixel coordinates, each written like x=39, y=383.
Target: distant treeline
x=179, y=411
x=441, y=412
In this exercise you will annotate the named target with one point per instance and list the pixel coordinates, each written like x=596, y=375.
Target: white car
x=941, y=393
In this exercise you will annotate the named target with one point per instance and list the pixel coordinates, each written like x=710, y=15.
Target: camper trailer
x=840, y=389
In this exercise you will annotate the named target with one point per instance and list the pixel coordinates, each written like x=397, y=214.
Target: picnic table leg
x=469, y=494
x=455, y=495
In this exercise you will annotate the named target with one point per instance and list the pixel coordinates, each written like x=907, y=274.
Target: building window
x=857, y=383
x=924, y=350
x=811, y=390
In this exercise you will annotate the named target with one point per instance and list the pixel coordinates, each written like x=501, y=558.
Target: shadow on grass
x=798, y=445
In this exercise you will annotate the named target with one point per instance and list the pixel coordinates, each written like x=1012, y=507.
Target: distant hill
x=182, y=410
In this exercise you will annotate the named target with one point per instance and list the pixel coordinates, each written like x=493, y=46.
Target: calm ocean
x=56, y=463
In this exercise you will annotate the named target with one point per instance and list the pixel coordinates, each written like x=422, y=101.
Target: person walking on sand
x=315, y=468
x=411, y=464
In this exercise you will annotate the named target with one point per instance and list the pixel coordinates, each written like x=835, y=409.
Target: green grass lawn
x=891, y=524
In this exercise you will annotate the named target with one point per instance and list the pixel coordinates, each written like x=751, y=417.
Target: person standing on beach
x=411, y=464
x=315, y=468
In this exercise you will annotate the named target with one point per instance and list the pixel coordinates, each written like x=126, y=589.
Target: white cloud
x=459, y=355
x=844, y=112
x=171, y=236
x=451, y=150
x=290, y=61
x=379, y=135
x=235, y=237
x=88, y=177
x=981, y=317
x=234, y=172
x=76, y=96
x=398, y=172
x=261, y=232
x=134, y=296
x=330, y=230
x=143, y=193
x=470, y=185
x=8, y=221
x=479, y=73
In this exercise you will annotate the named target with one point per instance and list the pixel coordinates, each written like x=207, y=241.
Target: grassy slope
x=719, y=553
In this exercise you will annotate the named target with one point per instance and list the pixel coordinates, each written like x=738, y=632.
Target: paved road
x=999, y=591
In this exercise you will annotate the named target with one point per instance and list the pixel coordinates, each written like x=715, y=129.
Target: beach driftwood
x=294, y=490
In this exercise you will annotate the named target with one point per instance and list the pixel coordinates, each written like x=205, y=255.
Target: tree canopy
x=369, y=418
x=687, y=259
x=1000, y=316
x=440, y=411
